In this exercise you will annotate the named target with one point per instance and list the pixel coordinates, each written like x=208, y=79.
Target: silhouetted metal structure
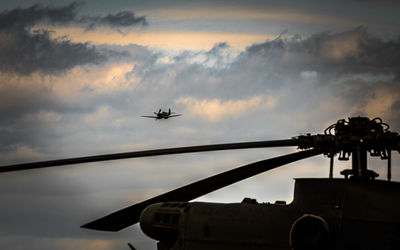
x=354, y=212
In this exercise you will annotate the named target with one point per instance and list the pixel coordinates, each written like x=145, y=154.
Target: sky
x=76, y=77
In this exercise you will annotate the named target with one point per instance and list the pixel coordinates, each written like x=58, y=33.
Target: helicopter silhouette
x=354, y=212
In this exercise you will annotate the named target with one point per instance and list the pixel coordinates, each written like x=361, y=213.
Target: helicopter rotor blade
x=130, y=215
x=146, y=153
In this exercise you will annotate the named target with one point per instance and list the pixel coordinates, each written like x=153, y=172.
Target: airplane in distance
x=162, y=114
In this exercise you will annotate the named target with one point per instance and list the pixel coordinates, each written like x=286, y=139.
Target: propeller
x=146, y=153
x=130, y=215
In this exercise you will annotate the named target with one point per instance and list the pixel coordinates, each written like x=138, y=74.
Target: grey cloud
x=23, y=50
x=28, y=17
x=354, y=66
x=24, y=18
x=333, y=57
x=120, y=19
x=37, y=52
x=347, y=52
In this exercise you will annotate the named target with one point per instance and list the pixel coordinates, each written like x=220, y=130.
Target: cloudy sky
x=76, y=77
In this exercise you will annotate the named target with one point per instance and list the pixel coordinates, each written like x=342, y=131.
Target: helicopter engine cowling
x=309, y=232
x=160, y=220
x=203, y=225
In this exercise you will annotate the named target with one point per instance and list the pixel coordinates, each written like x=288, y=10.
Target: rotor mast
x=359, y=163
x=360, y=127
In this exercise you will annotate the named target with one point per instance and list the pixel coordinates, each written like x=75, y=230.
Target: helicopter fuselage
x=324, y=214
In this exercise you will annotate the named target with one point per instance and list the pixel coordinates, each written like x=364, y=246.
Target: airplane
x=356, y=211
x=162, y=114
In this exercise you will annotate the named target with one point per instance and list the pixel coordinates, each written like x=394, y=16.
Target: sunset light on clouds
x=76, y=77
x=173, y=40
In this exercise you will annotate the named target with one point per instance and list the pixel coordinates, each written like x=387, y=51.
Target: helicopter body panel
x=334, y=213
x=362, y=214
x=203, y=225
x=236, y=226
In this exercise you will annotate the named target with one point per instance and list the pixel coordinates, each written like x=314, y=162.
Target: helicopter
x=354, y=212
x=162, y=114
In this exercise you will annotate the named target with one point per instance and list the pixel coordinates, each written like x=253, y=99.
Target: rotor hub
x=355, y=137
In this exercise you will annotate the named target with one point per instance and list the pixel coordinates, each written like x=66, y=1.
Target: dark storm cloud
x=24, y=50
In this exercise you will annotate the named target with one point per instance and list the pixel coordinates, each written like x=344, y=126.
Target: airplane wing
x=149, y=116
x=175, y=115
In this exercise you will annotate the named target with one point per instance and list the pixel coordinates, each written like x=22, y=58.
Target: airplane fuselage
x=163, y=115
